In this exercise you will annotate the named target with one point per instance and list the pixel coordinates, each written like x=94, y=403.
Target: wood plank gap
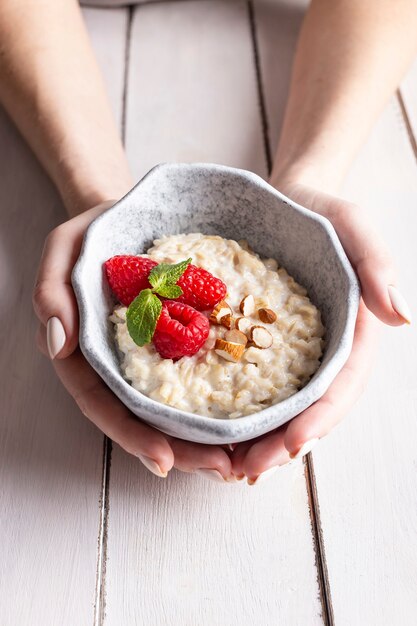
x=100, y=600
x=130, y=10
x=407, y=123
x=100, y=591
x=259, y=83
x=322, y=572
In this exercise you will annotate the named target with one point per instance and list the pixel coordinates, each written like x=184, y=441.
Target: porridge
x=264, y=340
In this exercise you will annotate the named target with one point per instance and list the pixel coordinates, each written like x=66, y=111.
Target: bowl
x=236, y=204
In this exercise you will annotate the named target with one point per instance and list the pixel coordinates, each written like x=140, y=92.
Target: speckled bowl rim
x=220, y=430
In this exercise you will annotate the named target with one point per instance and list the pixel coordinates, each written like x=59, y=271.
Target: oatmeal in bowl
x=261, y=341
x=282, y=312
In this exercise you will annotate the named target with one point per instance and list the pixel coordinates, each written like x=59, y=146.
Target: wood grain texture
x=50, y=454
x=278, y=23
x=192, y=87
x=185, y=551
x=365, y=470
x=107, y=30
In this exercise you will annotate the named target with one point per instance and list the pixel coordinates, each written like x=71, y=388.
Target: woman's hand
x=56, y=308
x=381, y=299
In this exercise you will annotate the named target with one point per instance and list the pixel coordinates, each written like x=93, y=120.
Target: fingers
x=154, y=449
x=259, y=460
x=211, y=462
x=373, y=263
x=317, y=421
x=53, y=297
x=238, y=458
x=106, y=411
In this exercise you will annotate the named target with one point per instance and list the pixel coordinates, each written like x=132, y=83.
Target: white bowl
x=213, y=199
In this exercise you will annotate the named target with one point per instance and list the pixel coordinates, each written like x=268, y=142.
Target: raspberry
x=180, y=331
x=201, y=289
x=128, y=275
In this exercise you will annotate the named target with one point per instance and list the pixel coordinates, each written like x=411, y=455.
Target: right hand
x=376, y=273
x=56, y=307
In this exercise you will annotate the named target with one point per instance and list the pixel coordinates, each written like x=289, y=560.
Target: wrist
x=81, y=191
x=306, y=171
x=77, y=200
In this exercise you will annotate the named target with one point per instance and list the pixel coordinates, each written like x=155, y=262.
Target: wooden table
x=88, y=536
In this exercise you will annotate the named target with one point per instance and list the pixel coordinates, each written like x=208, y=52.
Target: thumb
x=374, y=266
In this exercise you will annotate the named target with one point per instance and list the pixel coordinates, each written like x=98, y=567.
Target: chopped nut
x=228, y=350
x=243, y=324
x=247, y=305
x=262, y=302
x=267, y=316
x=220, y=310
x=236, y=336
x=261, y=337
x=226, y=321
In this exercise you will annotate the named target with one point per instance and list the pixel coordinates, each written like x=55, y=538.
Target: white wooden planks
x=50, y=455
x=365, y=470
x=192, y=87
x=184, y=550
x=277, y=24
x=108, y=31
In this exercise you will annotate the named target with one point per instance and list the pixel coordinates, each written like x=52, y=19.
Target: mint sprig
x=143, y=313
x=170, y=291
x=142, y=316
x=166, y=275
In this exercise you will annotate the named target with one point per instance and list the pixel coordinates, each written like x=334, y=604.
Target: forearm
x=52, y=89
x=350, y=57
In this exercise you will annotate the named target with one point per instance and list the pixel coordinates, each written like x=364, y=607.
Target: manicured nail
x=55, y=336
x=211, y=474
x=305, y=448
x=264, y=476
x=399, y=304
x=152, y=466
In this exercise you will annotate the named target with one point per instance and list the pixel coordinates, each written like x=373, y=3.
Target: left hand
x=57, y=336
x=374, y=267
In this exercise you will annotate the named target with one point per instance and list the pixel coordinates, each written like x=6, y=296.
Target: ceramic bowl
x=236, y=204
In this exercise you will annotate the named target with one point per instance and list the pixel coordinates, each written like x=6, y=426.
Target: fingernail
x=152, y=466
x=55, y=336
x=211, y=474
x=232, y=446
x=264, y=476
x=240, y=476
x=399, y=304
x=305, y=448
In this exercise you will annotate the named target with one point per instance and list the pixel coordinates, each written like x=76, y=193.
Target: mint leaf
x=166, y=274
x=142, y=316
x=170, y=291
